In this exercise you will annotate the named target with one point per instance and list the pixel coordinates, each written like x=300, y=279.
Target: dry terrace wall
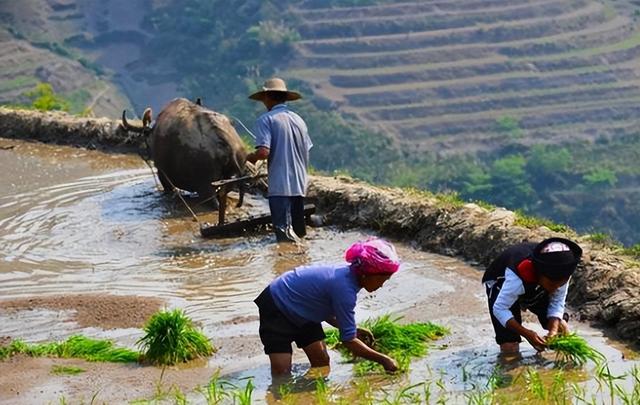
x=65, y=129
x=605, y=289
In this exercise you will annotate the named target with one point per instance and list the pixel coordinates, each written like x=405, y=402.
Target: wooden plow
x=243, y=226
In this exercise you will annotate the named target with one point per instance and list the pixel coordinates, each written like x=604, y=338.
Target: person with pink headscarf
x=295, y=304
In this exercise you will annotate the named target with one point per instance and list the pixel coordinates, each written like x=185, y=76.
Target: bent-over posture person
x=293, y=306
x=534, y=277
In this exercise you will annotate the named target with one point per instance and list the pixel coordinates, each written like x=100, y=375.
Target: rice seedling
x=604, y=377
x=214, y=392
x=485, y=395
x=442, y=398
x=179, y=397
x=559, y=392
x=170, y=338
x=364, y=392
x=244, y=396
x=535, y=385
x=402, y=342
x=322, y=392
x=76, y=346
x=571, y=349
x=285, y=393
x=66, y=370
x=404, y=395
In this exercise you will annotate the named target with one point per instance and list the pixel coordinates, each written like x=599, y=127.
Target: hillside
x=93, y=50
x=527, y=104
x=31, y=52
x=442, y=75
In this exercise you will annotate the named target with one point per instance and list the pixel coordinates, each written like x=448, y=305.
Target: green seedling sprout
x=402, y=342
x=571, y=349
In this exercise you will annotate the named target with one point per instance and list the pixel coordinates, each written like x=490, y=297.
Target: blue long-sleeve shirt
x=286, y=135
x=316, y=293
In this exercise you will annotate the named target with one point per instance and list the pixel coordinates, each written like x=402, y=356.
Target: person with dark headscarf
x=293, y=306
x=534, y=277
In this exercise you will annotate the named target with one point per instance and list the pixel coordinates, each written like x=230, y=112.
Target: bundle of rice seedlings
x=571, y=349
x=170, y=338
x=95, y=350
x=76, y=346
x=402, y=342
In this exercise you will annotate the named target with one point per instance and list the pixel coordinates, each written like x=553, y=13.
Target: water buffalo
x=192, y=146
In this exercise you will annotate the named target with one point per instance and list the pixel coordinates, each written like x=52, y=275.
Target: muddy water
x=81, y=223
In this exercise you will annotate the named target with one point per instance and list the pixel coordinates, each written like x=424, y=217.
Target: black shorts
x=504, y=335
x=277, y=331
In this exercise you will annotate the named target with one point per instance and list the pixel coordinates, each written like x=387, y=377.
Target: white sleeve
x=557, y=301
x=511, y=289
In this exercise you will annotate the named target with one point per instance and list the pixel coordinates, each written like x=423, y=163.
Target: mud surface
x=103, y=311
x=88, y=245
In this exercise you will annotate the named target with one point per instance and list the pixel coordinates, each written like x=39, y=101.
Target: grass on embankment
x=401, y=342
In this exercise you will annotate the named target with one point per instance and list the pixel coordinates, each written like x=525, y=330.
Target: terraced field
x=441, y=75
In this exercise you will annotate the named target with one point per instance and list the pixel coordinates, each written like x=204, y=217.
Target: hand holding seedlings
x=535, y=340
x=365, y=336
x=389, y=364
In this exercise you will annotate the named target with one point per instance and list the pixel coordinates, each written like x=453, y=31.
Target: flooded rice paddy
x=89, y=245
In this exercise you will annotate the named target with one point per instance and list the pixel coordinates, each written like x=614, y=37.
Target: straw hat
x=275, y=84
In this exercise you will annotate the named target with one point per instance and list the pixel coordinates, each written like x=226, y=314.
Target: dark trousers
x=504, y=335
x=277, y=331
x=287, y=216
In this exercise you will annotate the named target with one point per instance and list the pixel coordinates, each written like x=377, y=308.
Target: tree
x=43, y=98
x=600, y=177
x=510, y=185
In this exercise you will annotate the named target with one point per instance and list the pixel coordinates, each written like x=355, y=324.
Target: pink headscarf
x=373, y=256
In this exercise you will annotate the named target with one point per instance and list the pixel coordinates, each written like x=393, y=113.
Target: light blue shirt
x=286, y=135
x=316, y=293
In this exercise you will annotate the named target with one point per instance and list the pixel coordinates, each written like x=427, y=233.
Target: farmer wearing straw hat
x=293, y=306
x=534, y=277
x=282, y=138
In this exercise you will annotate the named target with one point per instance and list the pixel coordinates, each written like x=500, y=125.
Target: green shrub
x=600, y=177
x=632, y=250
x=603, y=239
x=510, y=126
x=43, y=98
x=530, y=222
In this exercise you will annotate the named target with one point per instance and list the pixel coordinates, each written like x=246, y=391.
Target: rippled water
x=77, y=222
